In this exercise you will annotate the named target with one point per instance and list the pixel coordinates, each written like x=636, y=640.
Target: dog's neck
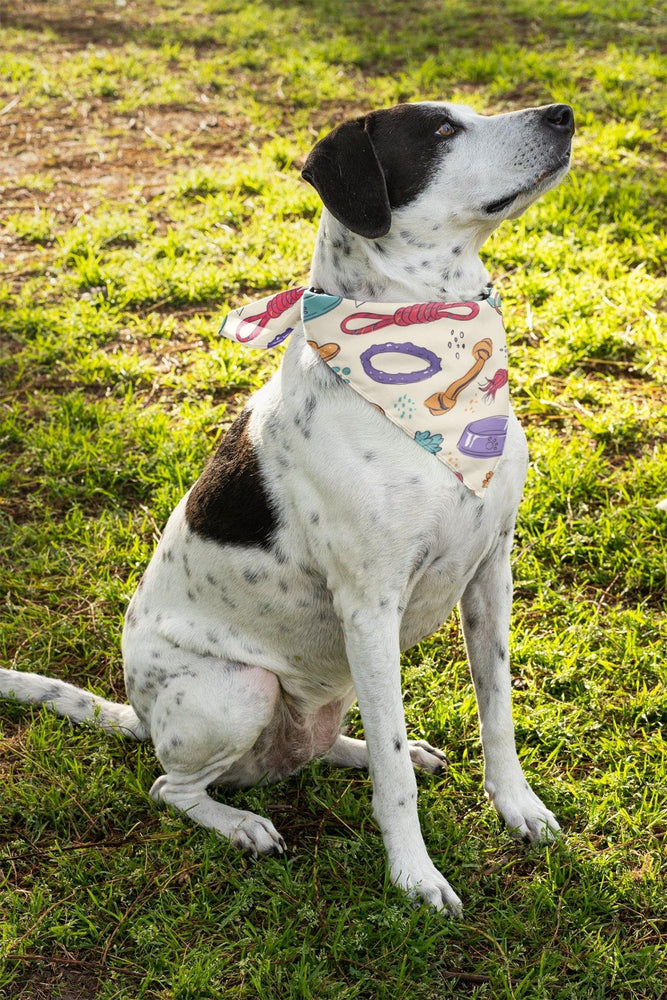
x=408, y=264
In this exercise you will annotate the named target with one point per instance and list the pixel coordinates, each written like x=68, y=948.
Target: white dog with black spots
x=308, y=554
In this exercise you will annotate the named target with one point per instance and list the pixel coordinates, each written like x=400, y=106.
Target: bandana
x=438, y=370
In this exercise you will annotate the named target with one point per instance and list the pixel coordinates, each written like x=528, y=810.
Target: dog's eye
x=446, y=129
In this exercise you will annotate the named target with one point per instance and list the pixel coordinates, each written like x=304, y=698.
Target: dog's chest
x=372, y=509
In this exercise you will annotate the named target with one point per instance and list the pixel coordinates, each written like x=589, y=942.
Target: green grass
x=149, y=179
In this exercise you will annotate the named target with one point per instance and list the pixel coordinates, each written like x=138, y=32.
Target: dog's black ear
x=346, y=173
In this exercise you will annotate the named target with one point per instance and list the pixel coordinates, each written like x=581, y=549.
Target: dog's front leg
x=372, y=645
x=485, y=615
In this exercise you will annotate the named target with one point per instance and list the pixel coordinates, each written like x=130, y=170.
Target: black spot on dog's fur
x=229, y=502
x=302, y=419
x=310, y=404
x=227, y=601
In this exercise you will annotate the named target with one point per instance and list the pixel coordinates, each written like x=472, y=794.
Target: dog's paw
x=246, y=830
x=256, y=835
x=429, y=886
x=427, y=758
x=525, y=815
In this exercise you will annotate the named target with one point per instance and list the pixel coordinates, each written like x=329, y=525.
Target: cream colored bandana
x=438, y=370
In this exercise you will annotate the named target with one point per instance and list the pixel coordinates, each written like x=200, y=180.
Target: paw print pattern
x=456, y=343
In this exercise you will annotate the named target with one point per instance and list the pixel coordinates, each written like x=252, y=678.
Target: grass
x=149, y=160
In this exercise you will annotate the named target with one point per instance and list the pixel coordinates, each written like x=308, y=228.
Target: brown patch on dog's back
x=229, y=503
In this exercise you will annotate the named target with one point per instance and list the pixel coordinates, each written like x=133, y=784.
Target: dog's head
x=443, y=160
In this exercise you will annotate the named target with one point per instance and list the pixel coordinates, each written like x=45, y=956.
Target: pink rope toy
x=275, y=307
x=421, y=312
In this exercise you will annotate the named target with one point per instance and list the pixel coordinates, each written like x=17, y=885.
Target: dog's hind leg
x=203, y=726
x=347, y=752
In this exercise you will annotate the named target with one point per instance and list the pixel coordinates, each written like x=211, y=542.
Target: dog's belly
x=292, y=739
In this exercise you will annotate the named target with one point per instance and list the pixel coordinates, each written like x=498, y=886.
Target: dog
x=320, y=541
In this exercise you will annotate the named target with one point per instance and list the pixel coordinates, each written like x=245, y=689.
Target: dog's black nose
x=560, y=117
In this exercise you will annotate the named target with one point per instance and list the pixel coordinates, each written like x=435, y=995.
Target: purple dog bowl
x=484, y=438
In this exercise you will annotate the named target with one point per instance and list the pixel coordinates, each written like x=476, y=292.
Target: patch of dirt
x=69, y=156
x=85, y=154
x=77, y=23
x=93, y=153
x=56, y=978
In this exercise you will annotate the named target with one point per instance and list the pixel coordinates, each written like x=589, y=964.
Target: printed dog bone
x=443, y=402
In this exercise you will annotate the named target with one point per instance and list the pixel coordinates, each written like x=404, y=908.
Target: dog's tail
x=73, y=702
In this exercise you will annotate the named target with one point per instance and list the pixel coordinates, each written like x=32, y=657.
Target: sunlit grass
x=115, y=387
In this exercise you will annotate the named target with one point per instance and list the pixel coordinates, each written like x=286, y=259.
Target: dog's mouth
x=544, y=180
x=499, y=206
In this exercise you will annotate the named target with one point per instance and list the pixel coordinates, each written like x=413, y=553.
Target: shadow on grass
x=379, y=35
